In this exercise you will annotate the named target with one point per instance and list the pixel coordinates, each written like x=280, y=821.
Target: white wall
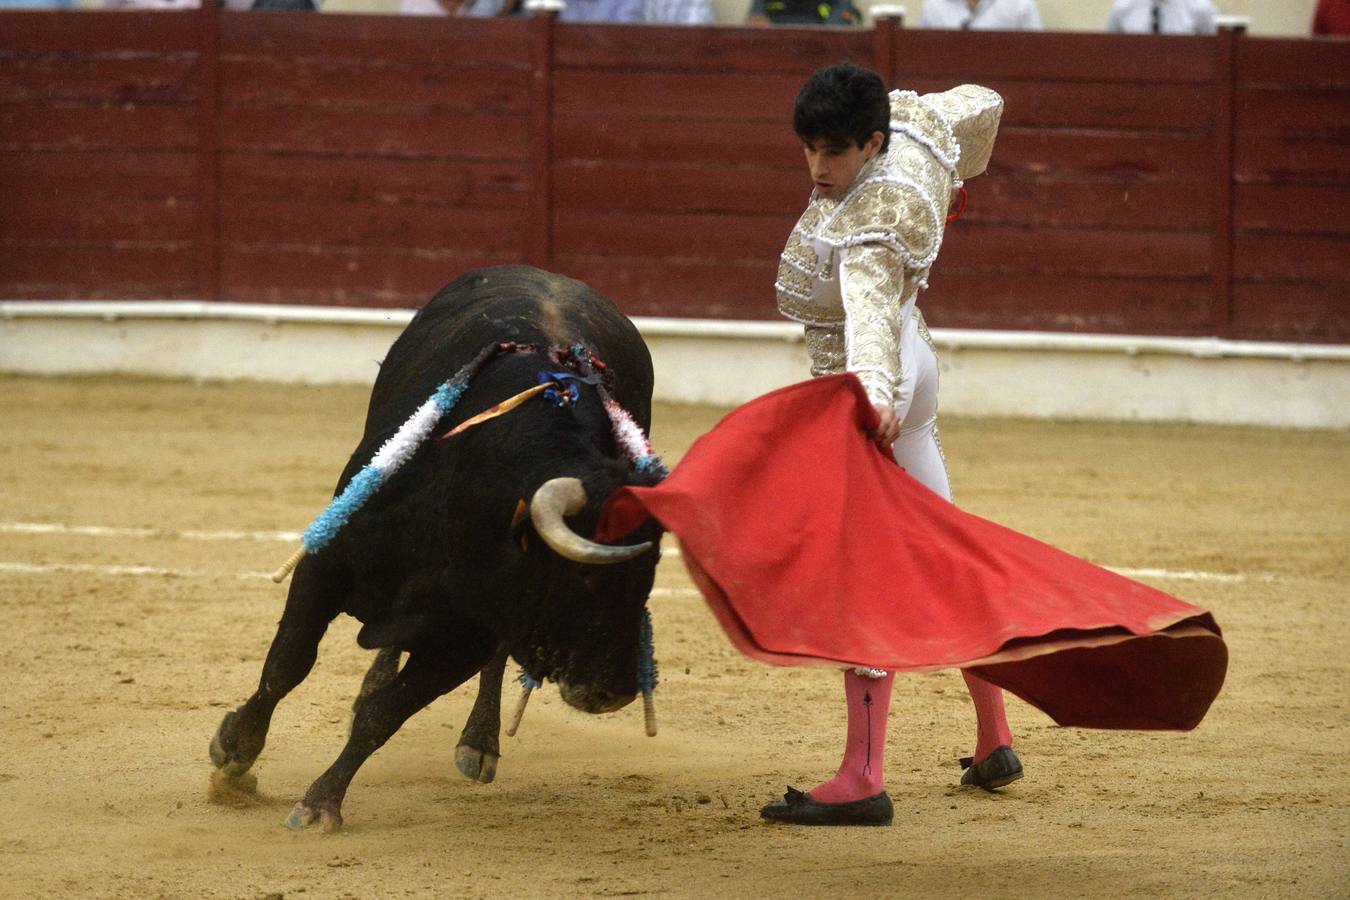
x=726, y=363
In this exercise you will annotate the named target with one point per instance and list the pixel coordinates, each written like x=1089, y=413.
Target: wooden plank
x=647, y=287
x=1295, y=62
x=208, y=152
x=1102, y=154
x=444, y=185
x=1095, y=104
x=1281, y=257
x=1009, y=252
x=52, y=79
x=682, y=95
x=37, y=270
x=1323, y=112
x=632, y=137
x=379, y=83
x=1294, y=208
x=800, y=51
x=1051, y=201
x=1279, y=158
x=372, y=132
x=119, y=128
x=688, y=236
x=1075, y=303
x=1225, y=138
x=1007, y=199
x=367, y=277
x=539, y=226
x=655, y=186
x=73, y=219
x=979, y=56
x=246, y=220
x=96, y=177
x=1303, y=311
x=375, y=37
x=98, y=32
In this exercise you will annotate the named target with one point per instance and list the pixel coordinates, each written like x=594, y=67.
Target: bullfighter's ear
x=519, y=533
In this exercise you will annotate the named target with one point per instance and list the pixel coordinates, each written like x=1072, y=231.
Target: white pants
x=917, y=450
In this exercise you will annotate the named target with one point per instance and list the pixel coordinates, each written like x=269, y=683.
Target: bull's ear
x=519, y=533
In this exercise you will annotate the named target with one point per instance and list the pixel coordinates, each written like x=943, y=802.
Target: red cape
x=812, y=546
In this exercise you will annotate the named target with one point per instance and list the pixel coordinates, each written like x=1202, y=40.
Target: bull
x=441, y=564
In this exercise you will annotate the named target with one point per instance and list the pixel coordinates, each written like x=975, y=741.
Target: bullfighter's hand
x=888, y=429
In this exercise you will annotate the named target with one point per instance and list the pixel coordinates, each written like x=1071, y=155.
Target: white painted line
x=89, y=569
x=110, y=531
x=1183, y=574
x=674, y=592
x=670, y=550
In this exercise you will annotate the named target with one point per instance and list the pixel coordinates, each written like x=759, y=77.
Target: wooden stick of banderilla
x=289, y=565
x=520, y=711
x=649, y=713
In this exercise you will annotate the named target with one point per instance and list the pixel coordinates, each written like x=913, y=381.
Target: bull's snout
x=593, y=699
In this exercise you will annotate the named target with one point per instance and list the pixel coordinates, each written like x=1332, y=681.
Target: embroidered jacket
x=852, y=269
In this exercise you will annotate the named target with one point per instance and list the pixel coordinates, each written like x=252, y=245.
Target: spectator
x=653, y=12
x=235, y=5
x=1331, y=18
x=1163, y=17
x=988, y=15
x=802, y=12
x=429, y=7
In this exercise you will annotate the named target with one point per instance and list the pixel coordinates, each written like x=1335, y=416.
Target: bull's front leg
x=310, y=606
x=479, y=747
x=428, y=673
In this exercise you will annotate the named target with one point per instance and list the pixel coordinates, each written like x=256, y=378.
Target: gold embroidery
x=826, y=348
x=973, y=113
x=923, y=331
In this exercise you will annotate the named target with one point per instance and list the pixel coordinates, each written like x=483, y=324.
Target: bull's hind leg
x=479, y=747
x=428, y=673
x=380, y=673
x=310, y=606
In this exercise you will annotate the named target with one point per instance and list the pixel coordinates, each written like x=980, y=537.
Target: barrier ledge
x=985, y=373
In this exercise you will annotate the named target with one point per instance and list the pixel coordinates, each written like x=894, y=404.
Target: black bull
x=439, y=562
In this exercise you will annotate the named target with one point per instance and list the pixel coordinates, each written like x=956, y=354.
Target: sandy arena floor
x=142, y=615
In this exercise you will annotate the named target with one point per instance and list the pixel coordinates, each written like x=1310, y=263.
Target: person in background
x=985, y=15
x=233, y=5
x=1332, y=17
x=1163, y=17
x=651, y=12
x=802, y=12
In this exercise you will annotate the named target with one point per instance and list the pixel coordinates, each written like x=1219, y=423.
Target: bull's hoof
x=223, y=750
x=304, y=815
x=476, y=765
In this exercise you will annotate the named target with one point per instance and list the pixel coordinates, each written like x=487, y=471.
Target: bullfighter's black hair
x=844, y=104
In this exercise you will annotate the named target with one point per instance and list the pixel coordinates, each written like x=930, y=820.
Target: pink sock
x=991, y=729
x=860, y=773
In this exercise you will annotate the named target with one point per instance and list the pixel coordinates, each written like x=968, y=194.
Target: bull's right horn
x=560, y=497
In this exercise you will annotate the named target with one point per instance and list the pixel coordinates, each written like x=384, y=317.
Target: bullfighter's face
x=834, y=165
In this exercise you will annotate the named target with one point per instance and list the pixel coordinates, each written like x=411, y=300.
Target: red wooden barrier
x=1171, y=185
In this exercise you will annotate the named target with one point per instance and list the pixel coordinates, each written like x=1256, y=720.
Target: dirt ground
x=138, y=614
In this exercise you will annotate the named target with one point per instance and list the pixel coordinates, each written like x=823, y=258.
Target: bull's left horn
x=560, y=497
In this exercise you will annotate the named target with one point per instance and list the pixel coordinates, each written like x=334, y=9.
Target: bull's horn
x=560, y=497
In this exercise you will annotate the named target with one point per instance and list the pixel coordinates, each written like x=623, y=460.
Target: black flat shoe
x=998, y=768
x=798, y=808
